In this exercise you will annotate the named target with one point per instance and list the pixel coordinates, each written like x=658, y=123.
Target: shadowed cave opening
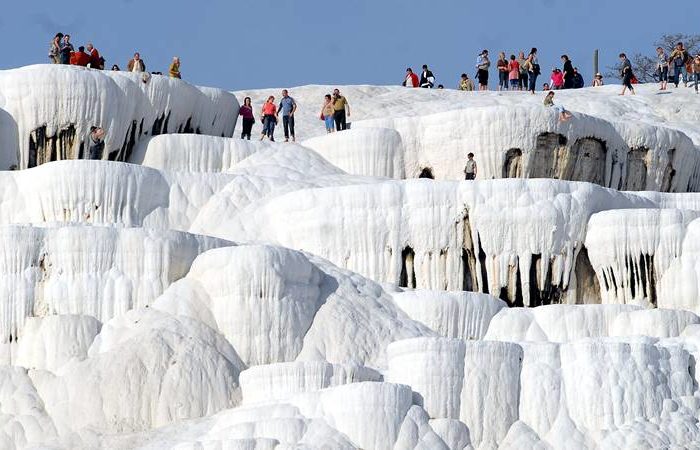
x=408, y=274
x=427, y=172
x=512, y=167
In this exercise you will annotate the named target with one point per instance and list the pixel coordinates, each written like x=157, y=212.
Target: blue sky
x=241, y=44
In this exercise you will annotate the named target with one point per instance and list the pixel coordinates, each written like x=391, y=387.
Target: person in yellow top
x=341, y=110
x=175, y=68
x=465, y=84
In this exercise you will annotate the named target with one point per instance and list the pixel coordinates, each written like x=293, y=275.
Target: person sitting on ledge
x=564, y=115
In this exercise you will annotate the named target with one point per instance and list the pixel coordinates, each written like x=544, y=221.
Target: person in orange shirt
x=269, y=115
x=80, y=58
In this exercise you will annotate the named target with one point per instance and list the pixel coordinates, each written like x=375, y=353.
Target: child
x=470, y=167
x=564, y=115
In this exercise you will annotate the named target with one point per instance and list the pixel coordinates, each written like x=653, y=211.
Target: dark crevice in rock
x=482, y=264
x=408, y=274
x=44, y=148
x=669, y=173
x=587, y=285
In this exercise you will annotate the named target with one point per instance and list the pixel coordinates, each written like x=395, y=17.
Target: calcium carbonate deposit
x=192, y=290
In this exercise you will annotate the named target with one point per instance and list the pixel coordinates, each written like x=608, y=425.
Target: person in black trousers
x=246, y=112
x=340, y=107
x=568, y=72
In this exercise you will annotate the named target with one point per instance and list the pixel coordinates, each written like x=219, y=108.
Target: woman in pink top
x=514, y=73
x=269, y=114
x=557, y=81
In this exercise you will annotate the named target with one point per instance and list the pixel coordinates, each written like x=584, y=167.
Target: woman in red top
x=269, y=114
x=246, y=112
x=514, y=73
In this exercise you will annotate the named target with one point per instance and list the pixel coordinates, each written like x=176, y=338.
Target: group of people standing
x=684, y=67
x=520, y=73
x=514, y=73
x=61, y=51
x=426, y=80
x=334, y=111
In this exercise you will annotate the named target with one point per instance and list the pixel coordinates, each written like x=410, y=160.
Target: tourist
x=465, y=84
x=502, y=66
x=427, y=79
x=97, y=143
x=696, y=71
x=411, y=79
x=55, y=49
x=568, y=72
x=341, y=110
x=514, y=73
x=662, y=68
x=533, y=69
x=564, y=115
x=288, y=107
x=678, y=58
x=96, y=61
x=470, y=168
x=66, y=49
x=246, y=112
x=578, y=79
x=115, y=68
x=482, y=66
x=626, y=74
x=598, y=80
x=440, y=86
x=522, y=78
x=80, y=58
x=545, y=87
x=174, y=69
x=327, y=113
x=136, y=64
x=557, y=80
x=269, y=115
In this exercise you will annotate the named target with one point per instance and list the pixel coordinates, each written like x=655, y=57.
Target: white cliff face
x=215, y=293
x=55, y=124
x=96, y=271
x=649, y=144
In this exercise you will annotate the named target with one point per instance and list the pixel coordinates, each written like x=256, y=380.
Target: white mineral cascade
x=192, y=290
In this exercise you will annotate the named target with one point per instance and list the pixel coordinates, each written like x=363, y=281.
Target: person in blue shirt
x=288, y=107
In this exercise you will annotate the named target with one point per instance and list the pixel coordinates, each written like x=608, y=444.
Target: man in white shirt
x=136, y=64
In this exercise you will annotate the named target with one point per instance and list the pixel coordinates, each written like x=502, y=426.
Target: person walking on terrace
x=246, y=112
x=341, y=110
x=327, y=112
x=288, y=107
x=269, y=115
